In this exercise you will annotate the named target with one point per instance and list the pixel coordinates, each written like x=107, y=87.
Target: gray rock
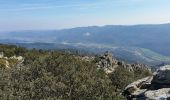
x=160, y=94
x=109, y=64
x=156, y=87
x=162, y=76
x=129, y=67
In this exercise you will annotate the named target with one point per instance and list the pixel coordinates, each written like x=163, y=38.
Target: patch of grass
x=154, y=55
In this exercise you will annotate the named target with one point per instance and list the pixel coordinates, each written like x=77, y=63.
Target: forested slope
x=57, y=75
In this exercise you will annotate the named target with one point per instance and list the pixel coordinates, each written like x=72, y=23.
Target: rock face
x=109, y=64
x=162, y=76
x=156, y=87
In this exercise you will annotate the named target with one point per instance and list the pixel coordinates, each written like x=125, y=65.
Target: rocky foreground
x=156, y=87
x=108, y=63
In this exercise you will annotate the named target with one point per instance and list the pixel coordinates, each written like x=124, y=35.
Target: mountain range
x=136, y=43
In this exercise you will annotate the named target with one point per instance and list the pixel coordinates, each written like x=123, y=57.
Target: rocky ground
x=156, y=87
x=109, y=64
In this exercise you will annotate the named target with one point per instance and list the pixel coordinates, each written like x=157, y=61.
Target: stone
x=155, y=87
x=129, y=67
x=161, y=94
x=133, y=89
x=1, y=54
x=20, y=59
x=162, y=76
x=109, y=64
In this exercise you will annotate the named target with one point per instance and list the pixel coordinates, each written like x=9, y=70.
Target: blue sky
x=58, y=14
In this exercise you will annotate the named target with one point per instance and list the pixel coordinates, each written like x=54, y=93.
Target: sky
x=59, y=14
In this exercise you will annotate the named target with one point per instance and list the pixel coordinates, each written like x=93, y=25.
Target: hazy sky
x=57, y=14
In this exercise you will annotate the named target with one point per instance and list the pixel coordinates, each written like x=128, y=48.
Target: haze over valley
x=135, y=43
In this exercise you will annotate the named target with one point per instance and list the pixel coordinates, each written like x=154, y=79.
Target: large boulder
x=160, y=94
x=155, y=87
x=137, y=88
x=162, y=76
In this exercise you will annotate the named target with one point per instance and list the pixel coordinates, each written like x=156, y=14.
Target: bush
x=55, y=75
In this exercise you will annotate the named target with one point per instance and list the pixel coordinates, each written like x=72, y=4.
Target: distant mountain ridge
x=151, y=37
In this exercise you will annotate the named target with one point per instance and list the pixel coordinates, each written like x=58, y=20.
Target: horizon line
x=53, y=29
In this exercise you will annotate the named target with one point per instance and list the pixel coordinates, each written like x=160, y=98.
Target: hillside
x=152, y=37
x=58, y=75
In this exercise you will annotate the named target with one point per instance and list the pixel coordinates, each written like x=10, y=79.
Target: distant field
x=155, y=56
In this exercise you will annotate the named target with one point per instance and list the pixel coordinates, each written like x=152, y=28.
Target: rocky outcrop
x=6, y=62
x=156, y=87
x=109, y=64
x=162, y=77
x=20, y=59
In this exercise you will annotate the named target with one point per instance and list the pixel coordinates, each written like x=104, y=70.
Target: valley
x=129, y=43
